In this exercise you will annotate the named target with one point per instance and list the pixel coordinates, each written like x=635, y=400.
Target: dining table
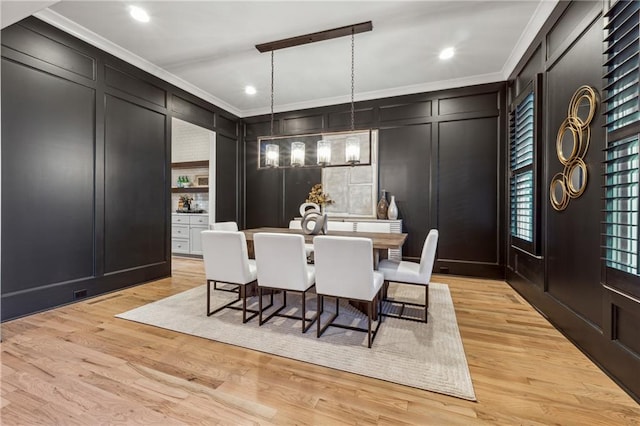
x=382, y=243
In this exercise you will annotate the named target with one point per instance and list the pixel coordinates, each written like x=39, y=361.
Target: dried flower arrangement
x=316, y=195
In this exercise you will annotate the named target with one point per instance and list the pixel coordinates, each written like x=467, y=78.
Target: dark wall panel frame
x=48, y=168
x=52, y=52
x=418, y=215
x=226, y=126
x=616, y=361
x=227, y=179
x=341, y=120
x=468, y=216
x=198, y=114
x=34, y=63
x=573, y=269
x=135, y=86
x=466, y=104
x=67, y=49
x=406, y=111
x=575, y=19
x=606, y=330
x=304, y=124
x=135, y=221
x=405, y=168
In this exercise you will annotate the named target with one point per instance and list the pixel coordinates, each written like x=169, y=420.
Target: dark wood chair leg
x=426, y=302
x=319, y=302
x=369, y=314
x=243, y=294
x=304, y=311
x=259, y=305
x=209, y=297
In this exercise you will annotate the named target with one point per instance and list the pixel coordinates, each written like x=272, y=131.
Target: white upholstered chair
x=384, y=227
x=412, y=273
x=297, y=224
x=226, y=260
x=224, y=226
x=333, y=225
x=344, y=270
x=282, y=265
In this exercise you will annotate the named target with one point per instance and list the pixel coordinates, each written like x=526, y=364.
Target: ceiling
x=207, y=47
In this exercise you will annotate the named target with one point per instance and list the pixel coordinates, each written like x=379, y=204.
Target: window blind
x=522, y=188
x=621, y=205
x=621, y=154
x=621, y=66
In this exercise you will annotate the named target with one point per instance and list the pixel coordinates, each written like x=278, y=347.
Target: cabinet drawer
x=180, y=231
x=179, y=245
x=199, y=220
x=179, y=218
x=195, y=239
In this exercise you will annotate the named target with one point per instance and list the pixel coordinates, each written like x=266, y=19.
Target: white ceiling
x=207, y=47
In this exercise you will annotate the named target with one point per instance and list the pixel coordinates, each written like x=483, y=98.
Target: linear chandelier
x=323, y=150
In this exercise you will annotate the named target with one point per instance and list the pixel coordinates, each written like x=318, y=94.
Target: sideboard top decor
x=318, y=196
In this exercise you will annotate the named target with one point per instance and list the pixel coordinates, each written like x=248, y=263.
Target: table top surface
x=379, y=240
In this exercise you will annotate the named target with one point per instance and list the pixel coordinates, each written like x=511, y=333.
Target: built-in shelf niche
x=190, y=164
x=191, y=189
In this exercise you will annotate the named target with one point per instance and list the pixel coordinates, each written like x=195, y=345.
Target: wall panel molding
x=91, y=159
x=409, y=167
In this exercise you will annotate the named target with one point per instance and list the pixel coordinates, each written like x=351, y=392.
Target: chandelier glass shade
x=297, y=154
x=324, y=152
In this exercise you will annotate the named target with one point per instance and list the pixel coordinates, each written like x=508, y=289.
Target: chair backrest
x=224, y=226
x=339, y=226
x=281, y=260
x=225, y=256
x=428, y=255
x=373, y=227
x=295, y=224
x=344, y=266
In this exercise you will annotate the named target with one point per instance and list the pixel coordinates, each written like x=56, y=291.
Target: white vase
x=392, y=212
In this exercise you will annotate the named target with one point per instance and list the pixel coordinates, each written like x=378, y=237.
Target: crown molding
x=539, y=17
x=379, y=94
x=68, y=26
x=542, y=12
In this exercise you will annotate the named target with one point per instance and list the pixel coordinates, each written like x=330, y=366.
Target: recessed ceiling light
x=139, y=14
x=250, y=90
x=447, y=53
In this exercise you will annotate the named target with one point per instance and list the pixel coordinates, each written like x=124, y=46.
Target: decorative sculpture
x=314, y=223
x=304, y=207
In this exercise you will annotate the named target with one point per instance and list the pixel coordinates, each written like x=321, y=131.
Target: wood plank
x=381, y=241
x=79, y=365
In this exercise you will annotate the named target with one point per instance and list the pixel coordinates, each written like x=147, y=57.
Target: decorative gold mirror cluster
x=572, y=143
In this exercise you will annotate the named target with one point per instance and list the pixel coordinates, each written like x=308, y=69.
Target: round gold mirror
x=558, y=192
x=576, y=174
x=583, y=106
x=568, y=141
x=572, y=143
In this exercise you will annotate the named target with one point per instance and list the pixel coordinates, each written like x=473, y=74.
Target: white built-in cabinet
x=185, y=232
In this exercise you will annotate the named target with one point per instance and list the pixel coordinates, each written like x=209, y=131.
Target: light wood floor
x=80, y=365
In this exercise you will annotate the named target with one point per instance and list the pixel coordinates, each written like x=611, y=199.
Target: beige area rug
x=425, y=356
